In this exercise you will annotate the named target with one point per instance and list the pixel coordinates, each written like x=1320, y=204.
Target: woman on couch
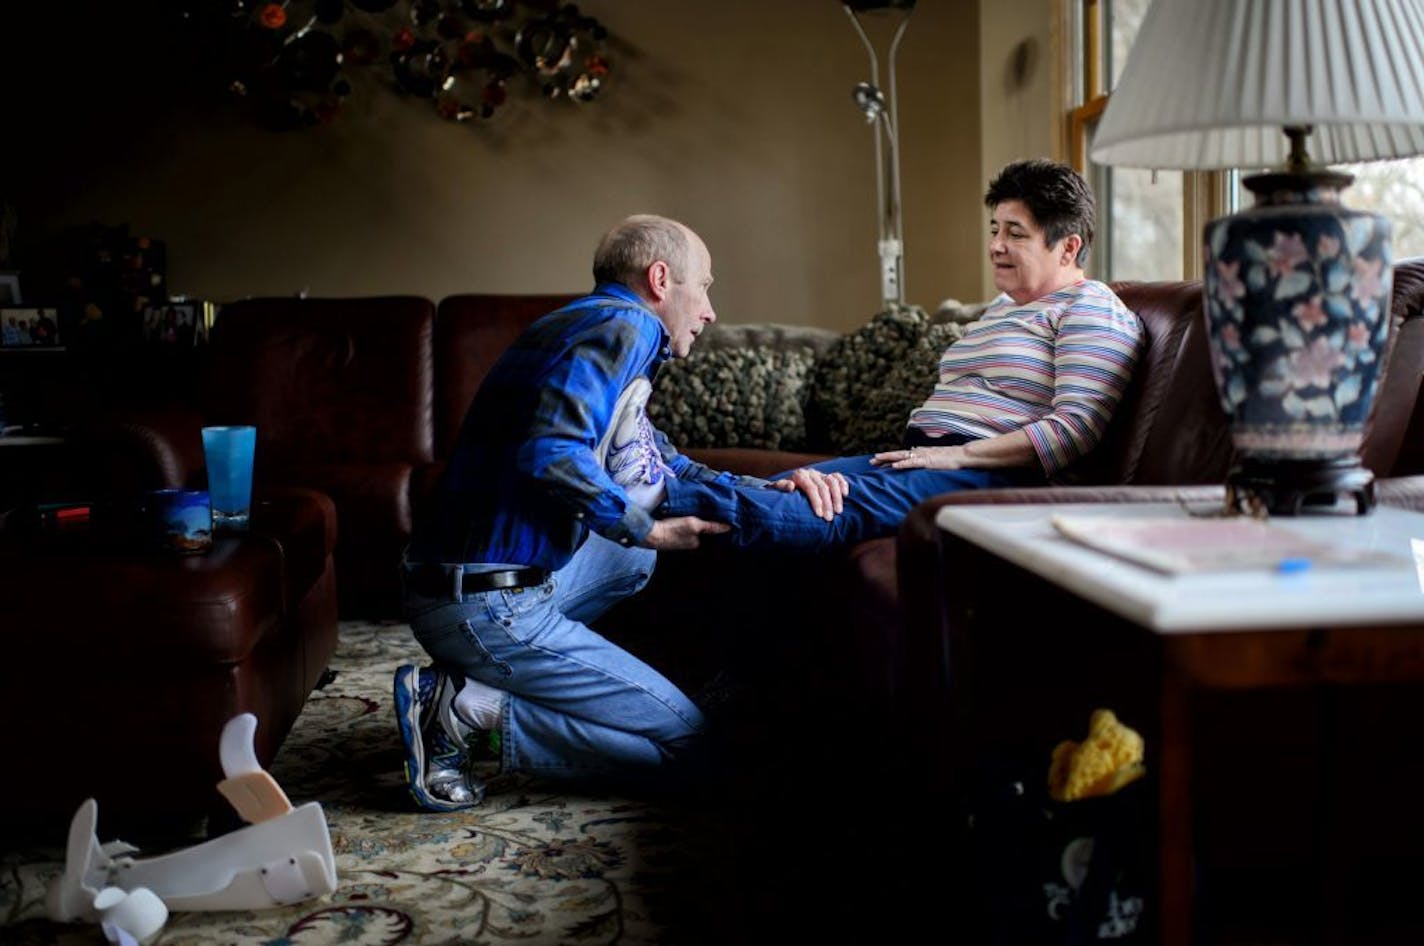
x=1028, y=389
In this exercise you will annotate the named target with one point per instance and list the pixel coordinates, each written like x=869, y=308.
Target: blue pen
x=1293, y=566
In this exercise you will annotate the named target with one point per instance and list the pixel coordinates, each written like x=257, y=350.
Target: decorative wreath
x=290, y=60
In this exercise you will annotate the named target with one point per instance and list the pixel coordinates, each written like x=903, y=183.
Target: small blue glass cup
x=228, y=452
x=179, y=520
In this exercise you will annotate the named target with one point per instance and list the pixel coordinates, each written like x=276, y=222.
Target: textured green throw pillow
x=734, y=397
x=864, y=387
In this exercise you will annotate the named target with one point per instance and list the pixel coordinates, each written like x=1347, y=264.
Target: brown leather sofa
x=1169, y=432
x=362, y=398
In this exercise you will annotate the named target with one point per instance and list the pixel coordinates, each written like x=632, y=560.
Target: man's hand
x=825, y=492
x=681, y=532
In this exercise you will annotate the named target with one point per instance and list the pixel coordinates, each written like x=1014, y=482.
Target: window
x=1392, y=188
x=1395, y=189
x=1140, y=213
x=1150, y=223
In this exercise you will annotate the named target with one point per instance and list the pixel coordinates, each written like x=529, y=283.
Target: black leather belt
x=434, y=581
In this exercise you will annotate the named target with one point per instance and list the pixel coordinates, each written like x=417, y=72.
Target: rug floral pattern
x=536, y=863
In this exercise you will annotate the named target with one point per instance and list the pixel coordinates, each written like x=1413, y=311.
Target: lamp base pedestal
x=1286, y=487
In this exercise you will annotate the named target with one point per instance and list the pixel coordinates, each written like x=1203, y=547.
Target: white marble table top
x=1258, y=598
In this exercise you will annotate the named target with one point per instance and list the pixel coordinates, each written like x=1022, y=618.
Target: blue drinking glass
x=229, y=453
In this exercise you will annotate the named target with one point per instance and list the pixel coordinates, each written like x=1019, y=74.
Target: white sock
x=479, y=705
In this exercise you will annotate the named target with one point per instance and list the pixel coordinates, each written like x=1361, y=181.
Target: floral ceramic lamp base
x=1297, y=292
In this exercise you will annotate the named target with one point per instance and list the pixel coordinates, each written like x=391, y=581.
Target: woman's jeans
x=879, y=500
x=578, y=705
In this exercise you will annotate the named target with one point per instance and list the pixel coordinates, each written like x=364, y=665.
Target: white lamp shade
x=1211, y=84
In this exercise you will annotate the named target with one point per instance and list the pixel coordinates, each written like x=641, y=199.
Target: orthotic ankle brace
x=283, y=856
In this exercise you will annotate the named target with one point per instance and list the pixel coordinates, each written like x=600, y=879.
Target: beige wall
x=733, y=115
x=1022, y=88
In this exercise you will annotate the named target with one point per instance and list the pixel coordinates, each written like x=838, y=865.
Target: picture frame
x=9, y=287
x=29, y=327
x=177, y=323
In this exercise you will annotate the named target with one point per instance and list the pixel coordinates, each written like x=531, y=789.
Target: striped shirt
x=1054, y=368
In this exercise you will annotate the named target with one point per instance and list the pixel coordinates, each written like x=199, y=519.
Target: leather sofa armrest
x=303, y=524
x=157, y=448
x=1406, y=492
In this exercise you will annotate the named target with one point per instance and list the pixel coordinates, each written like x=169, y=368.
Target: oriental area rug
x=536, y=863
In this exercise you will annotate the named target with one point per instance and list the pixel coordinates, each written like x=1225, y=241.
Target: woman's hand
x=825, y=492
x=923, y=458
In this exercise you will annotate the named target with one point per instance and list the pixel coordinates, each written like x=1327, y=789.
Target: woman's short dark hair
x=1056, y=195
x=625, y=252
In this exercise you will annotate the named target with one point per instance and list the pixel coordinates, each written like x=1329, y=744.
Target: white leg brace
x=283, y=857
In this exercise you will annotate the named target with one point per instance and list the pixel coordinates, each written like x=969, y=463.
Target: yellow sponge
x=1108, y=759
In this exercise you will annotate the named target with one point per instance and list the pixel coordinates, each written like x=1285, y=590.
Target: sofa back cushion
x=326, y=380
x=1169, y=427
x=1394, y=441
x=864, y=387
x=743, y=387
x=471, y=332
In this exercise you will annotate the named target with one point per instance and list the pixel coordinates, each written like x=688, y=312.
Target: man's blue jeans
x=879, y=500
x=578, y=704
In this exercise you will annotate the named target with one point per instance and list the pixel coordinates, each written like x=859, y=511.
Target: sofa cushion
x=734, y=397
x=325, y=380
x=1169, y=427
x=775, y=335
x=1394, y=442
x=375, y=524
x=864, y=388
x=471, y=331
x=303, y=522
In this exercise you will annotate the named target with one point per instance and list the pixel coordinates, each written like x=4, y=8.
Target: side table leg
x=1174, y=814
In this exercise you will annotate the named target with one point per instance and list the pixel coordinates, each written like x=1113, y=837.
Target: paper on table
x=1201, y=545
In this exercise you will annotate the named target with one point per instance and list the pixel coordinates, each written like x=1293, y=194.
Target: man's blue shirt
x=524, y=484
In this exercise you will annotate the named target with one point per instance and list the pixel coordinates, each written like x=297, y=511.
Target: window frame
x=1205, y=194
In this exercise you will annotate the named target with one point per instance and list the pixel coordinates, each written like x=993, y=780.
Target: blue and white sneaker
x=437, y=767
x=629, y=451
